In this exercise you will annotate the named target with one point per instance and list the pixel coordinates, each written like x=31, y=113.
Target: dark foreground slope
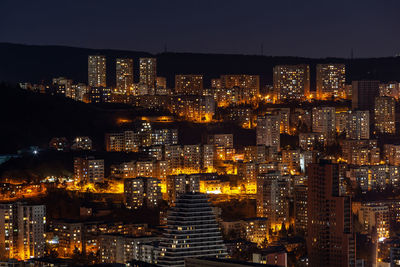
x=42, y=63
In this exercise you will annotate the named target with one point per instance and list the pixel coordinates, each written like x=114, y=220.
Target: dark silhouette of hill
x=42, y=63
x=33, y=119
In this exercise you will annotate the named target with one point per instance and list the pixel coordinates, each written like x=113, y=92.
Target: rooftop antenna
x=351, y=54
x=262, y=49
x=165, y=48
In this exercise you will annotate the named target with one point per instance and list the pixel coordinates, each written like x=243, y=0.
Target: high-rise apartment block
x=249, y=83
x=148, y=74
x=300, y=207
x=268, y=131
x=375, y=216
x=273, y=198
x=97, y=71
x=291, y=82
x=142, y=191
x=330, y=240
x=193, y=107
x=385, y=115
x=89, y=170
x=324, y=121
x=22, y=231
x=358, y=125
x=188, y=84
x=331, y=80
x=124, y=75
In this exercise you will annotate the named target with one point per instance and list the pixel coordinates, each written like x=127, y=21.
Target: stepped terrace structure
x=192, y=232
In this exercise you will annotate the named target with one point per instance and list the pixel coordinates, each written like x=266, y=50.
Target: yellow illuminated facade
x=331, y=80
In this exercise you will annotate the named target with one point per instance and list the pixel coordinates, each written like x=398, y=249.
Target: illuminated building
x=355, y=123
x=324, y=121
x=249, y=83
x=292, y=159
x=358, y=126
x=291, y=82
x=300, y=207
x=359, y=152
x=208, y=157
x=163, y=171
x=146, y=168
x=89, y=170
x=151, y=101
x=114, y=142
x=59, y=144
x=99, y=95
x=284, y=116
x=224, y=140
x=256, y=229
x=307, y=141
x=97, y=71
x=124, y=75
x=229, y=96
x=142, y=136
x=307, y=157
x=193, y=108
x=381, y=176
x=124, y=170
x=148, y=74
x=216, y=83
x=391, y=89
x=155, y=152
x=192, y=231
x=70, y=237
x=22, y=231
x=141, y=89
x=189, y=84
x=164, y=137
x=385, y=115
x=360, y=174
x=161, y=82
x=250, y=154
x=174, y=156
x=192, y=157
x=331, y=80
x=330, y=240
x=342, y=121
x=115, y=248
x=82, y=143
x=257, y=154
x=248, y=172
x=272, y=256
x=241, y=115
x=273, y=198
x=79, y=92
x=142, y=191
x=392, y=154
x=268, y=131
x=67, y=84
x=181, y=184
x=375, y=216
x=363, y=94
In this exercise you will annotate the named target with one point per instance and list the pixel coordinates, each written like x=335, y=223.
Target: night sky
x=311, y=28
